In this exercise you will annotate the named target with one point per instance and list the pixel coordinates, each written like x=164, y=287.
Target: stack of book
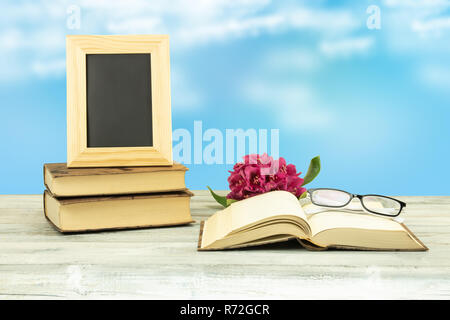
x=91, y=199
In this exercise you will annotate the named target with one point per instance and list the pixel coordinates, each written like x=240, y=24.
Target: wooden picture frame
x=160, y=150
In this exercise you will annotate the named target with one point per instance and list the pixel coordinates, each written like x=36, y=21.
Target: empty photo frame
x=118, y=101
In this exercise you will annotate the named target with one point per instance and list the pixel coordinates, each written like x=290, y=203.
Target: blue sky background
x=374, y=104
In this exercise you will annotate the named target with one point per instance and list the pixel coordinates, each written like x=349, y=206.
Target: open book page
x=335, y=219
x=216, y=227
x=258, y=210
x=350, y=228
x=269, y=233
x=263, y=207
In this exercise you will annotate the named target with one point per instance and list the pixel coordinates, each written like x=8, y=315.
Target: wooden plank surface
x=38, y=262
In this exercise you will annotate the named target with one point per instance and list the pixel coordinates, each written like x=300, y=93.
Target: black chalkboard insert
x=119, y=101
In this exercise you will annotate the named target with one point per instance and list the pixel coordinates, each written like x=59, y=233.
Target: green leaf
x=220, y=199
x=313, y=170
x=230, y=201
x=303, y=195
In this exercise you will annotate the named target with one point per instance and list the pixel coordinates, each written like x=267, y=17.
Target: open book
x=278, y=216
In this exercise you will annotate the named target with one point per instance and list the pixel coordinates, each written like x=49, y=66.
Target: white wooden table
x=38, y=262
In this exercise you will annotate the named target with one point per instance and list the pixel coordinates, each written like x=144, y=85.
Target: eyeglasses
x=372, y=203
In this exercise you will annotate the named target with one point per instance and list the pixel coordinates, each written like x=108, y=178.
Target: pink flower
x=261, y=173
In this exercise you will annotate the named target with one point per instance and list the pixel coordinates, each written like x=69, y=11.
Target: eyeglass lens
x=381, y=205
x=330, y=198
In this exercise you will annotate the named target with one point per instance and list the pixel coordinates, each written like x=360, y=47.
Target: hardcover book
x=70, y=182
x=81, y=214
x=278, y=216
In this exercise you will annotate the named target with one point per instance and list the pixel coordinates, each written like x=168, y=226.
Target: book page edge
x=411, y=234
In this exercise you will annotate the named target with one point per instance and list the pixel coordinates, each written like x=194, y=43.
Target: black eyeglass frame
x=360, y=197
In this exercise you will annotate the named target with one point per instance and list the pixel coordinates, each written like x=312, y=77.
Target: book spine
x=199, y=245
x=310, y=246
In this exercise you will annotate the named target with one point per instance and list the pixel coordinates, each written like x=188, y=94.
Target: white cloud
x=49, y=68
x=134, y=25
x=416, y=3
x=435, y=27
x=295, y=105
x=203, y=21
x=346, y=47
x=185, y=96
x=230, y=28
x=218, y=20
x=34, y=31
x=331, y=21
x=415, y=25
x=11, y=39
x=436, y=77
x=280, y=60
x=41, y=41
x=39, y=27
